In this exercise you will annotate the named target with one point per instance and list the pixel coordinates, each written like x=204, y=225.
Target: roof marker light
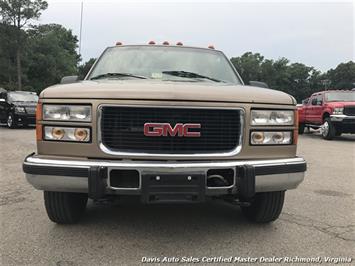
x=118, y=43
x=211, y=46
x=151, y=42
x=179, y=43
x=166, y=43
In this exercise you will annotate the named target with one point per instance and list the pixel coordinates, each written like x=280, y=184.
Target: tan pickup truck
x=168, y=124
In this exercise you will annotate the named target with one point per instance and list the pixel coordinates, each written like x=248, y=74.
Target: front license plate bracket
x=173, y=187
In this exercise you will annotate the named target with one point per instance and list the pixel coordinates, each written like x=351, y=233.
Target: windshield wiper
x=187, y=74
x=108, y=75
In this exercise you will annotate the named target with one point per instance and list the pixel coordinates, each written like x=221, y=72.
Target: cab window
x=317, y=99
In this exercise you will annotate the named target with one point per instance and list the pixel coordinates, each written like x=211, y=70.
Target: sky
x=317, y=33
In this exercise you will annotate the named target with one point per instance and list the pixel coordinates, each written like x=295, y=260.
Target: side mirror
x=69, y=79
x=258, y=84
x=2, y=100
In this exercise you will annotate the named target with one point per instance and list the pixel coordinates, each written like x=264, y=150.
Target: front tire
x=265, y=207
x=328, y=129
x=10, y=122
x=65, y=207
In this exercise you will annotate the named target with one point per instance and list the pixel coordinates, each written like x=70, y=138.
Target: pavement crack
x=346, y=233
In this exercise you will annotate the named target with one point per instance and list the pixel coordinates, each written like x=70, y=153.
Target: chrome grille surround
x=224, y=154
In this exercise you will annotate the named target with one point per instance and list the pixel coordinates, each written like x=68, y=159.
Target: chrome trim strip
x=339, y=118
x=155, y=165
x=231, y=153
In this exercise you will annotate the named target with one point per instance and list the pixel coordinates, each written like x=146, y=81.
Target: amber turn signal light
x=39, y=133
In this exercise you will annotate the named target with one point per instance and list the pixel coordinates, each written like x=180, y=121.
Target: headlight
x=271, y=138
x=272, y=117
x=80, y=113
x=338, y=111
x=67, y=134
x=19, y=109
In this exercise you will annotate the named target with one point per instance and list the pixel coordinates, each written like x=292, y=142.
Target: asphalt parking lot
x=318, y=218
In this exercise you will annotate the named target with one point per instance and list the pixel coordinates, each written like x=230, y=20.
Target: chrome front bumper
x=341, y=118
x=73, y=175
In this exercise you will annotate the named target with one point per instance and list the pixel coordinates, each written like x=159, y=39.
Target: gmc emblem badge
x=165, y=130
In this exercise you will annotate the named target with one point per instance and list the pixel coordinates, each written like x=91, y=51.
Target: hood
x=166, y=90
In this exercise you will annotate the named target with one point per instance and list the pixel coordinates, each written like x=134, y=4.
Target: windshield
x=165, y=63
x=22, y=97
x=348, y=96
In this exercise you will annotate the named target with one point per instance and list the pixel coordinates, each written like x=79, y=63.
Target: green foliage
x=296, y=79
x=249, y=66
x=343, y=76
x=18, y=13
x=84, y=68
x=7, y=56
x=51, y=55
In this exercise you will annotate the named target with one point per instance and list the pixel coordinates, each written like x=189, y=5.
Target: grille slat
x=122, y=129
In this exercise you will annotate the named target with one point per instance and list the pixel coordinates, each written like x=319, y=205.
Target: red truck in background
x=332, y=111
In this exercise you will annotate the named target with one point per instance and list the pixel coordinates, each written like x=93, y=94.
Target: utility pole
x=81, y=26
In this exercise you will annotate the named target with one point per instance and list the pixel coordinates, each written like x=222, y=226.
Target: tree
x=55, y=48
x=7, y=56
x=343, y=76
x=296, y=79
x=248, y=66
x=84, y=68
x=18, y=13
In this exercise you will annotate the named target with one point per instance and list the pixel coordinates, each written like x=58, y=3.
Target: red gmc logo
x=165, y=129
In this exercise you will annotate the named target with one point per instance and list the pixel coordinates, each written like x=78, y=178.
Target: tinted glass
x=22, y=97
x=151, y=61
x=348, y=96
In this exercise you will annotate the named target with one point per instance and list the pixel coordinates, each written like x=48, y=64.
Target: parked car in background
x=18, y=108
x=332, y=111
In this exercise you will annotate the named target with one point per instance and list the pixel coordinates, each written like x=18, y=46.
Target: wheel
x=11, y=123
x=265, y=207
x=300, y=129
x=65, y=207
x=327, y=129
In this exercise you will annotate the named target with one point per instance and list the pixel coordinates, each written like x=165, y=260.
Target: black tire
x=10, y=121
x=265, y=207
x=65, y=207
x=300, y=129
x=328, y=129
